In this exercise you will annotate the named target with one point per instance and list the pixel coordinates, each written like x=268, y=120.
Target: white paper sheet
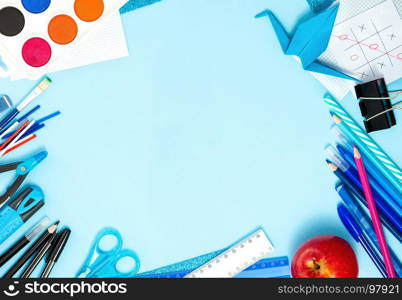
x=354, y=11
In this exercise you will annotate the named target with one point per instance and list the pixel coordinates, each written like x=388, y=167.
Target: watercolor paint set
x=35, y=35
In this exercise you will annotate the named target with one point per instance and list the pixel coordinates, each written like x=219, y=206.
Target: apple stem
x=316, y=265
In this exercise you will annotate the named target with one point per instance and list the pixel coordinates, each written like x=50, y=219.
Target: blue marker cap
x=349, y=222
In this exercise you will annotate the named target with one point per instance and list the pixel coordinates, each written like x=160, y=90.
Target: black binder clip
x=375, y=105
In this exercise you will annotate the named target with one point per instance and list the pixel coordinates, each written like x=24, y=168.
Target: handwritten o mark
x=355, y=57
x=399, y=56
x=374, y=46
x=343, y=37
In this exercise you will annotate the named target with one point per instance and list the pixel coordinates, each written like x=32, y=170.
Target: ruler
x=237, y=258
x=277, y=267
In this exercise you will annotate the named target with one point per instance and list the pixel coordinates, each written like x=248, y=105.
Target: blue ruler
x=134, y=4
x=277, y=267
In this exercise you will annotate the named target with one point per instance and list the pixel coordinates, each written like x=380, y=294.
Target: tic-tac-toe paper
x=350, y=9
x=369, y=46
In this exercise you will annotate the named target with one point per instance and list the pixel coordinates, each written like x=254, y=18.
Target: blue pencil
x=347, y=164
x=388, y=217
x=364, y=221
x=376, y=178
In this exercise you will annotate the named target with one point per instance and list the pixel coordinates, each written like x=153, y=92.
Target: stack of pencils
x=370, y=187
x=15, y=132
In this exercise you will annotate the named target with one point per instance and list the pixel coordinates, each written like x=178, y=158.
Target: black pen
x=32, y=250
x=55, y=252
x=38, y=257
x=25, y=240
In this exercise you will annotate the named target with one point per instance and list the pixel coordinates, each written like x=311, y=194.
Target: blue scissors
x=103, y=261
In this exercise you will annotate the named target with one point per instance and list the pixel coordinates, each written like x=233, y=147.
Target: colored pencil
x=374, y=214
x=373, y=173
x=390, y=195
x=364, y=221
x=367, y=145
x=388, y=217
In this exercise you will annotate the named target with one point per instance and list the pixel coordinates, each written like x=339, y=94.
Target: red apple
x=325, y=256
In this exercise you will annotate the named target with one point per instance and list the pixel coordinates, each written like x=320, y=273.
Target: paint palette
x=36, y=34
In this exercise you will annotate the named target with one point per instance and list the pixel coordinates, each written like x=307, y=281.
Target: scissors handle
x=103, y=263
x=110, y=269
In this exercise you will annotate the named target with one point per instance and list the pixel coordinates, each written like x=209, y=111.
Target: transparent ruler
x=237, y=258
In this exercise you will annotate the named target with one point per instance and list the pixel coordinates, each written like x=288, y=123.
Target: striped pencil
x=382, y=161
x=374, y=214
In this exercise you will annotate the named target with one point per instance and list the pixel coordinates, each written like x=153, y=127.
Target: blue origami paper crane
x=309, y=41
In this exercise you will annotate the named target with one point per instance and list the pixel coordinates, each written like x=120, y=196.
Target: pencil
x=38, y=257
x=55, y=252
x=377, y=155
x=25, y=240
x=32, y=250
x=388, y=217
x=375, y=179
x=374, y=214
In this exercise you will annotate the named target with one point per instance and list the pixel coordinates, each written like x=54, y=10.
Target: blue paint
x=36, y=6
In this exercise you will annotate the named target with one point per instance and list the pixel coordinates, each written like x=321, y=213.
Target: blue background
x=203, y=134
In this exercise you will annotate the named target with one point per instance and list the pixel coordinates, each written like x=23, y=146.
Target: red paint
x=332, y=257
x=36, y=52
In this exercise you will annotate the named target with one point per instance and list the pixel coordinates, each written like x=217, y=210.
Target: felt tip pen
x=356, y=232
x=42, y=86
x=55, y=252
x=25, y=240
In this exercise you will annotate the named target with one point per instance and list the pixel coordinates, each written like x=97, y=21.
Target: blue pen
x=28, y=113
x=355, y=231
x=364, y=221
x=37, y=126
x=377, y=181
x=388, y=216
x=48, y=117
x=348, y=167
